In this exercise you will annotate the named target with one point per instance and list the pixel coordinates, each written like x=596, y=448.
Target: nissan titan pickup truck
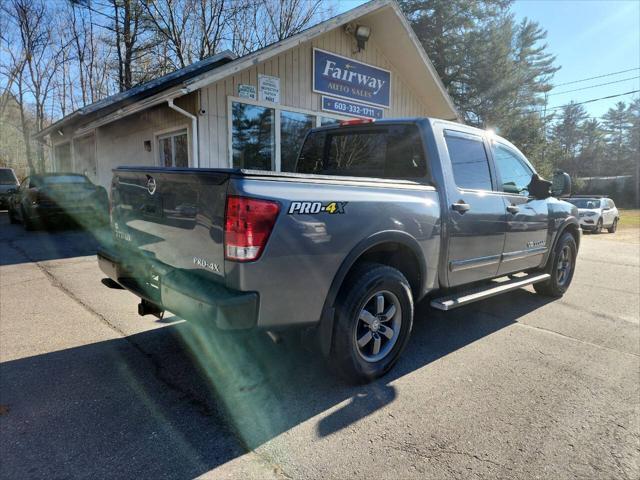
x=376, y=217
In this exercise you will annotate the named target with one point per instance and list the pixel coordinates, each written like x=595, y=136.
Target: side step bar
x=494, y=288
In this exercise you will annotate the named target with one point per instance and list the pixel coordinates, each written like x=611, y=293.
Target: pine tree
x=617, y=123
x=567, y=136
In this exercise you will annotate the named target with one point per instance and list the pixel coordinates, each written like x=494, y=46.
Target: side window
x=24, y=185
x=611, y=204
x=515, y=174
x=469, y=161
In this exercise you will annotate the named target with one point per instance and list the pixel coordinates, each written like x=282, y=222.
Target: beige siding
x=122, y=142
x=294, y=67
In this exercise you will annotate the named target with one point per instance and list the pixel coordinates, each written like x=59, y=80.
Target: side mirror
x=561, y=185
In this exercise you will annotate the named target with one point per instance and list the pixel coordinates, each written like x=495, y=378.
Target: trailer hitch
x=146, y=307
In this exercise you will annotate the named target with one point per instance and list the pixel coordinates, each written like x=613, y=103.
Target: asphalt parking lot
x=517, y=386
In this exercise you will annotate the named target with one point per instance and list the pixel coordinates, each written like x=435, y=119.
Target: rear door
x=174, y=216
x=476, y=212
x=526, y=217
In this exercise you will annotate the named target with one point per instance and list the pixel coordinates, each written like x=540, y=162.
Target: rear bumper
x=188, y=295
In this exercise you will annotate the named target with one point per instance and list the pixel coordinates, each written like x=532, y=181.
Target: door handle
x=513, y=209
x=461, y=207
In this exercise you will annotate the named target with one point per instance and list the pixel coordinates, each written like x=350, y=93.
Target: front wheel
x=561, y=267
x=27, y=222
x=613, y=227
x=374, y=317
x=598, y=226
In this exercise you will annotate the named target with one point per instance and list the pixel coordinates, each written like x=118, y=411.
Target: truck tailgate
x=174, y=216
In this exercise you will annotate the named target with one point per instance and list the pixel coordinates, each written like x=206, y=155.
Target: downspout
x=194, y=130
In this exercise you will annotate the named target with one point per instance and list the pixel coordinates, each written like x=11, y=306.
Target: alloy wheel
x=378, y=326
x=564, y=266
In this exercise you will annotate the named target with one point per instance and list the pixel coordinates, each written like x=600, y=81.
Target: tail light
x=248, y=224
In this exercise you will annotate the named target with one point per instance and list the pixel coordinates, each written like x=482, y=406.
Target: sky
x=589, y=38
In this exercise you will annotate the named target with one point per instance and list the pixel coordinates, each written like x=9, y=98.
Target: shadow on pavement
x=66, y=240
x=173, y=402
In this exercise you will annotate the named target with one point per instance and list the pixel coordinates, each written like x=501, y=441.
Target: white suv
x=596, y=213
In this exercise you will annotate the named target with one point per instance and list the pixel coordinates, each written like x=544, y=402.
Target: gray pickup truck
x=377, y=216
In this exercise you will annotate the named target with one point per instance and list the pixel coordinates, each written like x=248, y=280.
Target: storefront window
x=253, y=136
x=174, y=149
x=326, y=121
x=293, y=128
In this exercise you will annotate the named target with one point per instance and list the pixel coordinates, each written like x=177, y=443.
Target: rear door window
x=394, y=151
x=469, y=161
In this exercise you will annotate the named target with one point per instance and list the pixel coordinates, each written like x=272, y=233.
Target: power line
x=599, y=76
x=594, y=86
x=595, y=99
x=579, y=103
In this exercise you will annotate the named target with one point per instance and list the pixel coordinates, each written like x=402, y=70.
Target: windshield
x=584, y=202
x=64, y=179
x=7, y=177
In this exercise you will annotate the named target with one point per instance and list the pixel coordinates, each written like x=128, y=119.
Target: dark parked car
x=8, y=184
x=52, y=197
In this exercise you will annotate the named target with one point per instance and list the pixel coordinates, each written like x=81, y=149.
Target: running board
x=494, y=288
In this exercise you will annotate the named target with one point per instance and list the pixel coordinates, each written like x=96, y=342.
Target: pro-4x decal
x=303, y=208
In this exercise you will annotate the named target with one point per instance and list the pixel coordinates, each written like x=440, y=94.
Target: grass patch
x=629, y=218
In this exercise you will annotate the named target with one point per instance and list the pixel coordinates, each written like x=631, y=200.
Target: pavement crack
x=437, y=451
x=585, y=342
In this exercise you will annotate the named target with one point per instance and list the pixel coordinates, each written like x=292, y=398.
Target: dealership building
x=253, y=111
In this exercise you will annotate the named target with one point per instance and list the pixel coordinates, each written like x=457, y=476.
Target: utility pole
x=544, y=126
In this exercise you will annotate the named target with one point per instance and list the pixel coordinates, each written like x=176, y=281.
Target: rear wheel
x=374, y=317
x=614, y=226
x=561, y=267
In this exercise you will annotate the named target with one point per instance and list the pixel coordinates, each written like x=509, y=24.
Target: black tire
x=12, y=217
x=364, y=286
x=598, y=228
x=558, y=283
x=27, y=222
x=614, y=226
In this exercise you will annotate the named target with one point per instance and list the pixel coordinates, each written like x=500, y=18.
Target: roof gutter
x=194, y=130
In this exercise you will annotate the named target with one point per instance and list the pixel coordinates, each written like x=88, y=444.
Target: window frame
x=277, y=108
x=476, y=137
x=171, y=132
x=518, y=156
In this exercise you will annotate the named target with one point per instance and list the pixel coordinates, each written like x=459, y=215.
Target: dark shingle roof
x=142, y=91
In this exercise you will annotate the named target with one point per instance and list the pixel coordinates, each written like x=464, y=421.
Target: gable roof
x=393, y=35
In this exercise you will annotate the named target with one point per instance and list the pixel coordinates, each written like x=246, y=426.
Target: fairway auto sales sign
x=345, y=78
